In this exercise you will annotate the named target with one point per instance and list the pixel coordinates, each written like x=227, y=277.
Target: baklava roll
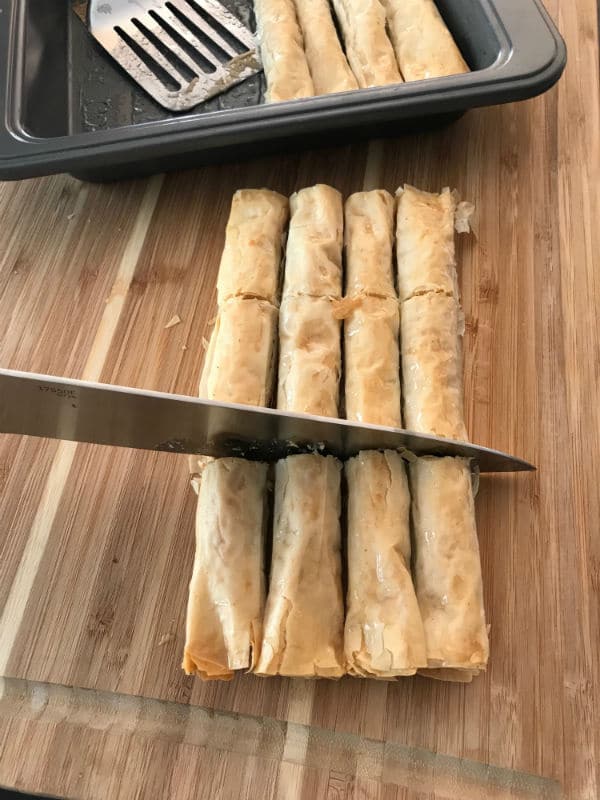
x=432, y=383
x=251, y=259
x=314, y=247
x=447, y=566
x=423, y=44
x=371, y=359
x=304, y=614
x=425, y=242
x=383, y=634
x=368, y=47
x=241, y=356
x=282, y=51
x=227, y=590
x=310, y=359
x=326, y=60
x=368, y=242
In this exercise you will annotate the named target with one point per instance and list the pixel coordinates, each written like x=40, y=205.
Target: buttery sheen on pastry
x=328, y=65
x=383, y=634
x=423, y=44
x=240, y=360
x=368, y=47
x=432, y=383
x=304, y=615
x=314, y=247
x=425, y=242
x=282, y=51
x=310, y=359
x=447, y=567
x=251, y=259
x=371, y=359
x=368, y=242
x=227, y=590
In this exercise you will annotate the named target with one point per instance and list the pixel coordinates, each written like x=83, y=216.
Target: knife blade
x=82, y=411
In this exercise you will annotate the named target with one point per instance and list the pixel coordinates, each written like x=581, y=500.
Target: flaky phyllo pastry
x=368, y=242
x=282, y=51
x=251, y=260
x=371, y=359
x=304, y=616
x=310, y=359
x=447, y=567
x=314, y=248
x=240, y=360
x=383, y=635
x=227, y=590
x=326, y=60
x=402, y=360
x=423, y=44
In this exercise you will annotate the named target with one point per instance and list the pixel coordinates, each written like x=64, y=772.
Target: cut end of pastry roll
x=372, y=359
x=304, y=615
x=383, y=634
x=309, y=356
x=328, y=66
x=368, y=48
x=251, y=259
x=423, y=44
x=226, y=598
x=368, y=239
x=432, y=383
x=314, y=248
x=447, y=566
x=282, y=51
x=240, y=361
x=425, y=242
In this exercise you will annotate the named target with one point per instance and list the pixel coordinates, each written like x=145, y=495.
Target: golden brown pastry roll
x=310, y=358
x=423, y=44
x=328, y=65
x=368, y=47
x=371, y=359
x=447, y=567
x=282, y=51
x=383, y=634
x=251, y=259
x=368, y=240
x=304, y=614
x=314, y=247
x=241, y=355
x=432, y=384
x=227, y=590
x=425, y=242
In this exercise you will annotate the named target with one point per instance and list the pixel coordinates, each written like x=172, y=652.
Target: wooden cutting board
x=96, y=544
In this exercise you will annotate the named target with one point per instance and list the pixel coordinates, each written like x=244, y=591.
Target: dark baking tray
x=66, y=107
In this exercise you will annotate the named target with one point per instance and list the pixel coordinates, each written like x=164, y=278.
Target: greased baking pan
x=66, y=107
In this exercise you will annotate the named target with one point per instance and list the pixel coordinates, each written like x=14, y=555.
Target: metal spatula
x=180, y=51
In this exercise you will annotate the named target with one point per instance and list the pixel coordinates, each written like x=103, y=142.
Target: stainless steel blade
x=81, y=411
x=181, y=52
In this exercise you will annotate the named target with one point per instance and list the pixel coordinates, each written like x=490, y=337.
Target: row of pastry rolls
x=304, y=615
x=227, y=589
x=446, y=563
x=302, y=54
x=383, y=634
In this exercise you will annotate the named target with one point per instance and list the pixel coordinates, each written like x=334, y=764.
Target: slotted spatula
x=180, y=51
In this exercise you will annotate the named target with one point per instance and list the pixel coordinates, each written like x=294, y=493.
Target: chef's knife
x=81, y=411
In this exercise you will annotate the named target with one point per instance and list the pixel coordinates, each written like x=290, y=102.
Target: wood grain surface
x=96, y=544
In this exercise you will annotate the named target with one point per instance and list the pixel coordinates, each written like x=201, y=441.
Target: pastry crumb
x=175, y=320
x=166, y=638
